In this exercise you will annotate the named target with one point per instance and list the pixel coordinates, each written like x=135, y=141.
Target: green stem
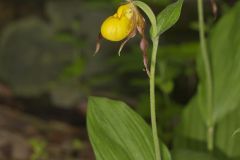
x=152, y=99
x=155, y=40
x=206, y=62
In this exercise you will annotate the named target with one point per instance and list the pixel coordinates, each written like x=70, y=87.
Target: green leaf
x=191, y=155
x=117, y=133
x=224, y=52
x=225, y=56
x=168, y=17
x=165, y=152
x=224, y=49
x=225, y=141
x=191, y=133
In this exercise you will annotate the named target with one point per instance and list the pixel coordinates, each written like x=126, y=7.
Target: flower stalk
x=207, y=67
x=155, y=41
x=152, y=99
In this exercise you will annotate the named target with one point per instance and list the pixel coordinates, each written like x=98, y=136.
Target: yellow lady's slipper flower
x=118, y=26
x=123, y=25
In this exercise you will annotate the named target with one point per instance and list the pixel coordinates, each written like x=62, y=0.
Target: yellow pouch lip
x=118, y=26
x=115, y=29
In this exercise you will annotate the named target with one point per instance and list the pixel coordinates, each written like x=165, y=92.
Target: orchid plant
x=116, y=132
x=122, y=26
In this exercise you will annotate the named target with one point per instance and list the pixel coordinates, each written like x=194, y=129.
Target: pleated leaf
x=117, y=133
x=224, y=52
x=191, y=133
x=224, y=47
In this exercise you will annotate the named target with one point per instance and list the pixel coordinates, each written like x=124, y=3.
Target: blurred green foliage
x=78, y=144
x=223, y=45
x=39, y=149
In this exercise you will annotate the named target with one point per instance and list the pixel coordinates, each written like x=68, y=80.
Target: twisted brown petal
x=214, y=7
x=131, y=35
x=98, y=45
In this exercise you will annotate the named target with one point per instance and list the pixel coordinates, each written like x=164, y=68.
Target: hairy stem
x=206, y=62
x=152, y=99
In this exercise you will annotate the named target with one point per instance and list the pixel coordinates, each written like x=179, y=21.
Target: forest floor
x=24, y=137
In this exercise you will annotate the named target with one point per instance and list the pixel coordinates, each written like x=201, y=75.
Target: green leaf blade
x=191, y=155
x=116, y=131
x=169, y=16
x=224, y=49
x=225, y=54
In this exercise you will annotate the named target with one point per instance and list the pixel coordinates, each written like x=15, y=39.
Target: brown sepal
x=143, y=42
x=144, y=46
